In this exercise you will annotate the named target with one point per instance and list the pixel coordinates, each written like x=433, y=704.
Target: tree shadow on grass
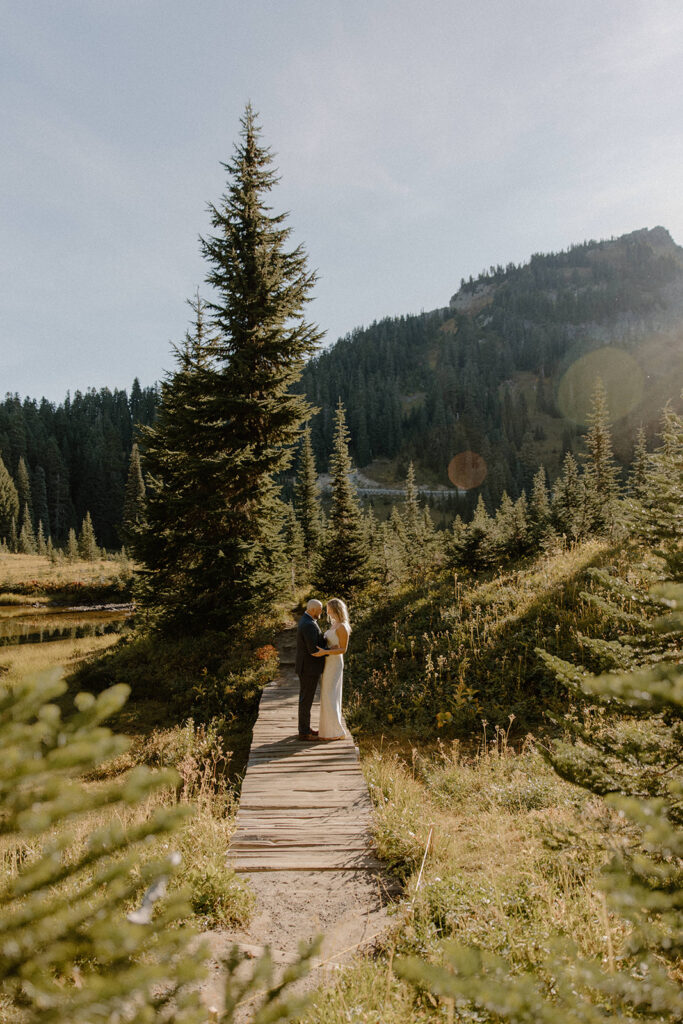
x=469, y=649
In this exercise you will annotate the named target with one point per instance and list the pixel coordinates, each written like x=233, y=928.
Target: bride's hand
x=320, y=653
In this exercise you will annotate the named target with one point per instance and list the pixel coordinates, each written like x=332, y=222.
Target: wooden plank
x=304, y=806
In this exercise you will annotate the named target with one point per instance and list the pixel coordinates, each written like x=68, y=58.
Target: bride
x=331, y=726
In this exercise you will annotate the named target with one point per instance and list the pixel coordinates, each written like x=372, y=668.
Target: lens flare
x=467, y=470
x=619, y=372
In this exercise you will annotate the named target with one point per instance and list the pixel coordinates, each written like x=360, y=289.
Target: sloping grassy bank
x=436, y=658
x=513, y=858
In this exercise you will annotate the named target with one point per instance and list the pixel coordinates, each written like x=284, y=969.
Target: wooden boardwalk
x=304, y=806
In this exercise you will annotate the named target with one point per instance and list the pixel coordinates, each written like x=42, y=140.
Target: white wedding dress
x=331, y=726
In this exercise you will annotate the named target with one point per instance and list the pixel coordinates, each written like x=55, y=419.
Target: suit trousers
x=307, y=687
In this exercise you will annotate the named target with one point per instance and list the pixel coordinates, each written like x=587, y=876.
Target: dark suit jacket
x=308, y=639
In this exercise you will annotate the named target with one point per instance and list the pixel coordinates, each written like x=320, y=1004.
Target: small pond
x=37, y=626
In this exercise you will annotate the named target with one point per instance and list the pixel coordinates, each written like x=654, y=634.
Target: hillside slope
x=505, y=370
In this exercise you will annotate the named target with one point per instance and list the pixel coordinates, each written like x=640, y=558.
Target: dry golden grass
x=22, y=569
x=24, y=660
x=216, y=895
x=513, y=859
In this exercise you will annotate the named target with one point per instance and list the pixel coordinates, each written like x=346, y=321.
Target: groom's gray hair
x=314, y=603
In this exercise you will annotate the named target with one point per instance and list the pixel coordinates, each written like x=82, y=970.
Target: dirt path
x=308, y=891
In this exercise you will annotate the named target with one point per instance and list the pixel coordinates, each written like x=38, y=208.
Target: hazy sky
x=418, y=142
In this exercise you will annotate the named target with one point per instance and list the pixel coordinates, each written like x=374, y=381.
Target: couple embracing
x=316, y=656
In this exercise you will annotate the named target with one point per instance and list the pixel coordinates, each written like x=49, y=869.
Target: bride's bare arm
x=343, y=637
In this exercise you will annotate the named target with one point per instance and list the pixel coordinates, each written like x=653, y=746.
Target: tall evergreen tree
x=23, y=482
x=294, y=546
x=412, y=516
x=87, y=542
x=41, y=513
x=27, y=538
x=539, y=509
x=344, y=567
x=72, y=546
x=637, y=477
x=569, y=502
x=477, y=541
x=13, y=539
x=307, y=502
x=658, y=518
x=134, y=498
x=41, y=544
x=214, y=547
x=601, y=476
x=9, y=502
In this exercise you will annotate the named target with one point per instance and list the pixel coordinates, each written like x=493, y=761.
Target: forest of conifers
x=480, y=375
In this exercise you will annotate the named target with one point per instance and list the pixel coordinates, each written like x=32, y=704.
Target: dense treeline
x=416, y=389
x=71, y=459
x=426, y=387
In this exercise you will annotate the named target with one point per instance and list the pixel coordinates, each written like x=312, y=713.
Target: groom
x=308, y=668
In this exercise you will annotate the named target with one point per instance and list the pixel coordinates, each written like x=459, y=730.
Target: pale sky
x=419, y=141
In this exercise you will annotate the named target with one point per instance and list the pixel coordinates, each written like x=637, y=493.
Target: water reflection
x=38, y=629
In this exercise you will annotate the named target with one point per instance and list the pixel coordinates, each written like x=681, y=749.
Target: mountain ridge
x=504, y=368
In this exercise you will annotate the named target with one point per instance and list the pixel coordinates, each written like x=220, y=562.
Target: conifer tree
x=539, y=509
x=41, y=512
x=344, y=567
x=502, y=527
x=27, y=538
x=638, y=473
x=213, y=546
x=23, y=483
x=455, y=543
x=477, y=546
x=9, y=503
x=87, y=542
x=658, y=516
x=294, y=546
x=13, y=540
x=372, y=532
x=307, y=502
x=177, y=492
x=518, y=537
x=60, y=912
x=601, y=476
x=397, y=524
x=388, y=559
x=72, y=949
x=72, y=546
x=133, y=499
x=411, y=508
x=638, y=770
x=416, y=531
x=41, y=544
x=569, y=502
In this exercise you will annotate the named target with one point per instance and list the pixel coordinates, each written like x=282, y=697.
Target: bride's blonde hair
x=341, y=612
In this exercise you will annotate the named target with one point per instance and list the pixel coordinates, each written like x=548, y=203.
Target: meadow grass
x=513, y=856
x=28, y=578
x=19, y=661
x=202, y=754
x=440, y=654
